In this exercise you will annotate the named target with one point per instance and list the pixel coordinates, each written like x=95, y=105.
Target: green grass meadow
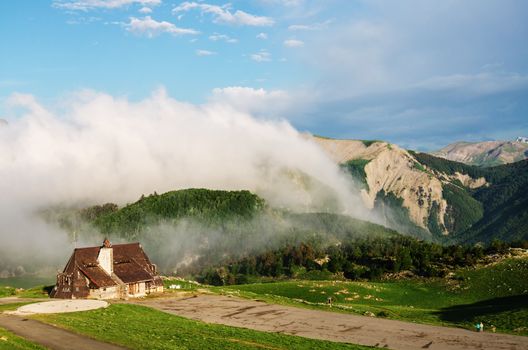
x=495, y=295
x=139, y=327
x=10, y=341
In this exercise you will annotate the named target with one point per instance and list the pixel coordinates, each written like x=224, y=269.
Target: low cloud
x=262, y=36
x=151, y=28
x=96, y=148
x=225, y=15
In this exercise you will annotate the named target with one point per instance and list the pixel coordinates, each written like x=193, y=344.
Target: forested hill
x=504, y=199
x=188, y=230
x=206, y=206
x=505, y=206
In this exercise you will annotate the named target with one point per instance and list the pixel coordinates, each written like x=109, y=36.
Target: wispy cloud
x=224, y=14
x=222, y=37
x=261, y=56
x=205, y=53
x=151, y=28
x=262, y=36
x=313, y=26
x=288, y=3
x=86, y=5
x=293, y=43
x=145, y=10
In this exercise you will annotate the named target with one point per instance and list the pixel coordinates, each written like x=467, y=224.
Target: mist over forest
x=95, y=149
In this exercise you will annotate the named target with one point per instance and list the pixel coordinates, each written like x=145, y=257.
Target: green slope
x=505, y=207
x=493, y=294
x=207, y=206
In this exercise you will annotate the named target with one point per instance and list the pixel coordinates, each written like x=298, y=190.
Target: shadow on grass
x=470, y=312
x=48, y=289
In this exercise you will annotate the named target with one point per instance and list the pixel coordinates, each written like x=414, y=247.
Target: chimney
x=106, y=257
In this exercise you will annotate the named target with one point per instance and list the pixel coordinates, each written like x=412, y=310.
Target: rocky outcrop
x=393, y=170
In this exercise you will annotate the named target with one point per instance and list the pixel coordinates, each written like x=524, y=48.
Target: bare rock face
x=394, y=170
x=487, y=153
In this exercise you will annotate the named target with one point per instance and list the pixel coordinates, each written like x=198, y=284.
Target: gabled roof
x=98, y=276
x=129, y=272
x=130, y=264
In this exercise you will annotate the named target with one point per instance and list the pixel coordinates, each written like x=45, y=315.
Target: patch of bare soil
x=336, y=327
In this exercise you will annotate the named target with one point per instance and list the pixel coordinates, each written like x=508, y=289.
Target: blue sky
x=415, y=72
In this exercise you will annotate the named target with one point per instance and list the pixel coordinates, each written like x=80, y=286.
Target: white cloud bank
x=151, y=28
x=223, y=14
x=100, y=148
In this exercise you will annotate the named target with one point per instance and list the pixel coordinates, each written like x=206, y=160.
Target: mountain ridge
x=486, y=153
x=432, y=197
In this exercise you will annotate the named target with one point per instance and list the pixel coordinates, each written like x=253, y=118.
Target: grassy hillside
x=494, y=295
x=139, y=327
x=463, y=210
x=356, y=168
x=505, y=204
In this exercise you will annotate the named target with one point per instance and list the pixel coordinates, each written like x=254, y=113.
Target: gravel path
x=50, y=336
x=332, y=326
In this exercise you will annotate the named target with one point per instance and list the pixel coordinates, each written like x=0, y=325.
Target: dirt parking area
x=332, y=326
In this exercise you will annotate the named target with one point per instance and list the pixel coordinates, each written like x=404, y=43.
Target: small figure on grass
x=329, y=301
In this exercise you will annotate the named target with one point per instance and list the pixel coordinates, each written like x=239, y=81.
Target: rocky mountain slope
x=487, y=153
x=431, y=197
x=389, y=169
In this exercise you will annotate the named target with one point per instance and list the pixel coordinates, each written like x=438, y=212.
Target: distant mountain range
x=435, y=198
x=488, y=153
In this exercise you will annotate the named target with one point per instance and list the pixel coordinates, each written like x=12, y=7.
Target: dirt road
x=50, y=336
x=332, y=326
